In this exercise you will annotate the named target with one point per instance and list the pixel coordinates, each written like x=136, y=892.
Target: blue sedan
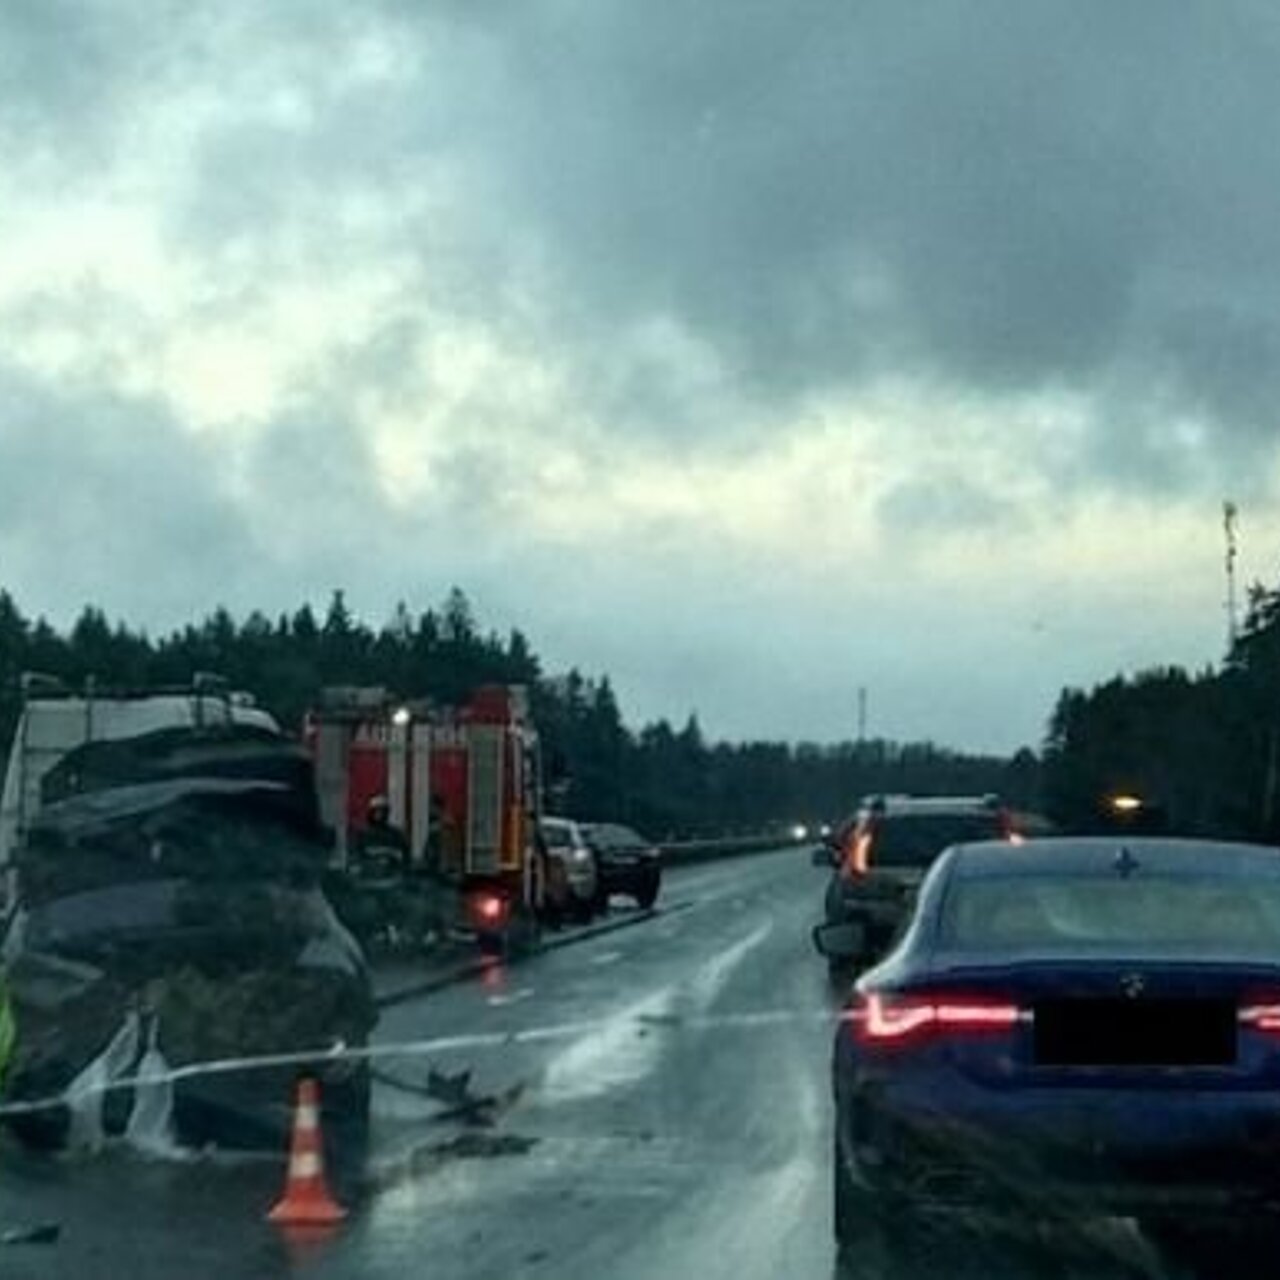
x=1069, y=1027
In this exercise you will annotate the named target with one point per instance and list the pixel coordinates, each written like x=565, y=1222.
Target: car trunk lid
x=1126, y=1022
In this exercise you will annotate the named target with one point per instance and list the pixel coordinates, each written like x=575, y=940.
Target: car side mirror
x=823, y=856
x=842, y=940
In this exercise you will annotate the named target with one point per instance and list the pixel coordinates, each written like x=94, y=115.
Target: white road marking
x=615, y=1052
x=514, y=997
x=607, y=957
x=619, y=1050
x=712, y=977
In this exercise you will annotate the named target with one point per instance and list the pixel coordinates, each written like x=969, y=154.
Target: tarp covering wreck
x=175, y=882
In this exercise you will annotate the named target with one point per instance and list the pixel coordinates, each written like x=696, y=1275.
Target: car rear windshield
x=1193, y=914
x=557, y=834
x=916, y=839
x=613, y=837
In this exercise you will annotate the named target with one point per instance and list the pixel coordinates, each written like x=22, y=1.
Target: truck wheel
x=524, y=933
x=492, y=944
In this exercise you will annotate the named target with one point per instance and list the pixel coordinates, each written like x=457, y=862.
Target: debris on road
x=429, y=1157
x=461, y=1104
x=484, y=1146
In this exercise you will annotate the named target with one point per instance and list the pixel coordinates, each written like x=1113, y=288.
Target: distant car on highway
x=573, y=870
x=629, y=864
x=882, y=853
x=1094, y=1023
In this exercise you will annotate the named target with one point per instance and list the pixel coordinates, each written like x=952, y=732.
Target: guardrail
x=684, y=852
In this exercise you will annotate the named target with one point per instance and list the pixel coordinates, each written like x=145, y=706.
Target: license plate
x=1135, y=1033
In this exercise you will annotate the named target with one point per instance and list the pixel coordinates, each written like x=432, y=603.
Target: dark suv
x=629, y=864
x=882, y=853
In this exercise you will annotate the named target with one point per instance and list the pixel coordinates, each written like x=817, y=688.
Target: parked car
x=629, y=864
x=1083, y=1022
x=882, y=853
x=573, y=877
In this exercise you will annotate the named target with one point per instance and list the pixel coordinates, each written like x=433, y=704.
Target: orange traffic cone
x=306, y=1201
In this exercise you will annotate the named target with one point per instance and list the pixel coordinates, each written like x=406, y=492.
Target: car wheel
x=600, y=902
x=860, y=1210
x=647, y=894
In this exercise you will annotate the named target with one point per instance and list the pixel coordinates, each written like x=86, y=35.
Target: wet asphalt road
x=668, y=1116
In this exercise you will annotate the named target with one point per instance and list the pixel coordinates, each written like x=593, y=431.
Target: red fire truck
x=463, y=784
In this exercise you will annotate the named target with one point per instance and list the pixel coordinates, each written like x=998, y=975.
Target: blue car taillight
x=888, y=1019
x=1261, y=1013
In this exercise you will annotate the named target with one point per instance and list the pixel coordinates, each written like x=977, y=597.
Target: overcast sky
x=749, y=352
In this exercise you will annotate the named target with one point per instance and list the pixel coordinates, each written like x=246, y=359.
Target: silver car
x=573, y=875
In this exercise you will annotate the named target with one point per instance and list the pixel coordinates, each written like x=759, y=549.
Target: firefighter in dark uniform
x=382, y=871
x=382, y=849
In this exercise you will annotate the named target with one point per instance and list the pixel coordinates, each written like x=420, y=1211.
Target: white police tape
x=341, y=1052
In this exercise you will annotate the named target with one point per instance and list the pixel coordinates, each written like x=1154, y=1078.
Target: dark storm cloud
x=104, y=499
x=1009, y=197
x=57, y=60
x=1005, y=196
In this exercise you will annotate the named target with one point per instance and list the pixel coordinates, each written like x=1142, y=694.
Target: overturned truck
x=173, y=964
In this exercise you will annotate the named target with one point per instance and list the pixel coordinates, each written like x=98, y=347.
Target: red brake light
x=857, y=861
x=888, y=1019
x=489, y=909
x=1009, y=827
x=1261, y=1013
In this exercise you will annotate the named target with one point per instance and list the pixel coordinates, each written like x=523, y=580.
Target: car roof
x=1068, y=855
x=920, y=806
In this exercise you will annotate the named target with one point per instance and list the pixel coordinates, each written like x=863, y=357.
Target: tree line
x=1201, y=748
x=664, y=779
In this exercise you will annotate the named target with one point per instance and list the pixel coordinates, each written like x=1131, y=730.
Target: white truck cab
x=55, y=720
